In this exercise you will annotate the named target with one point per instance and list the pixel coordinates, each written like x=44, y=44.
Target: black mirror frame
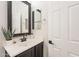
x=9, y=18
x=33, y=18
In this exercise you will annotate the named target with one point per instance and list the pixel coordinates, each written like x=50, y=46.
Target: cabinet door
x=39, y=50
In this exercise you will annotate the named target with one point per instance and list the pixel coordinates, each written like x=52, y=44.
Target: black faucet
x=23, y=39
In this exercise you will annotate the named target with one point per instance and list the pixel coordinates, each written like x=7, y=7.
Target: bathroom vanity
x=19, y=18
x=29, y=48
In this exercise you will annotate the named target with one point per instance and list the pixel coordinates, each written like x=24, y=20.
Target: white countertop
x=19, y=47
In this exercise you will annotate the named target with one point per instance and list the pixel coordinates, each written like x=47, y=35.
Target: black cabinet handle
x=50, y=42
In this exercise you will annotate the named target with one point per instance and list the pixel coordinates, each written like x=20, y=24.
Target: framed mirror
x=19, y=17
x=36, y=19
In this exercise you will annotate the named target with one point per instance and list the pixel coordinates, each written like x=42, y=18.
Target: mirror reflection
x=37, y=19
x=19, y=17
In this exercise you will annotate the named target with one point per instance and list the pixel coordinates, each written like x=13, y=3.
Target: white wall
x=44, y=7
x=3, y=22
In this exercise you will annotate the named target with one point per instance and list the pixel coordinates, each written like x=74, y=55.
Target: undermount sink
x=22, y=43
x=25, y=43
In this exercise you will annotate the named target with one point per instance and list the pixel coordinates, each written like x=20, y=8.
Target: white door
x=63, y=29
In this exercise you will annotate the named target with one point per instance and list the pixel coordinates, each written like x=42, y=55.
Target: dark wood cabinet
x=39, y=50
x=36, y=51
